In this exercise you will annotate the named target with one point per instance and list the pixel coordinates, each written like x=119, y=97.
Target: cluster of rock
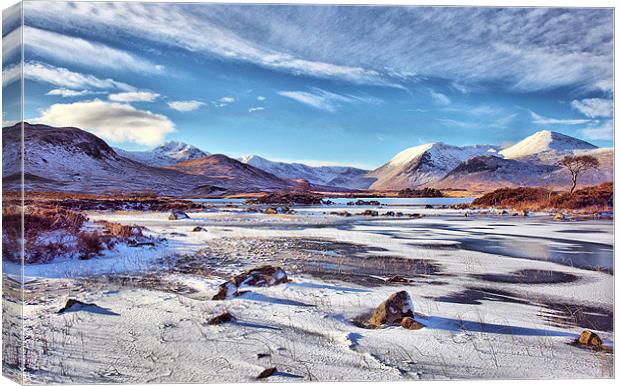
x=177, y=215
x=265, y=276
x=374, y=213
x=363, y=202
x=289, y=198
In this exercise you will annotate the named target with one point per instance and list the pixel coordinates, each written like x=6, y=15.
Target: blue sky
x=316, y=84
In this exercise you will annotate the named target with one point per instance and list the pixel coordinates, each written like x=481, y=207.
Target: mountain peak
x=544, y=141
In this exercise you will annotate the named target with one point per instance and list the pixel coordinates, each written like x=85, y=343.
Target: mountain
x=74, y=160
x=232, y=173
x=166, y=154
x=545, y=146
x=423, y=165
x=534, y=161
x=336, y=176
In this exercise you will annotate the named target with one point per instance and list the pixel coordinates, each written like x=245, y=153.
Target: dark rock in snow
x=177, y=215
x=392, y=310
x=410, y=323
x=266, y=373
x=227, y=290
x=397, y=279
x=72, y=303
x=199, y=229
x=226, y=317
x=265, y=276
x=590, y=339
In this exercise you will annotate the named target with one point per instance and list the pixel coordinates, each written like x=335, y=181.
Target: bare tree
x=577, y=165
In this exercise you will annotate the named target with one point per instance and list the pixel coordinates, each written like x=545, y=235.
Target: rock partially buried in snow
x=199, y=229
x=393, y=310
x=177, y=215
x=266, y=373
x=410, y=323
x=226, y=317
x=73, y=304
x=227, y=290
x=590, y=339
x=265, y=276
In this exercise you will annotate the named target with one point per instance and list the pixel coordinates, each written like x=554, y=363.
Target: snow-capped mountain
x=424, y=164
x=166, y=154
x=337, y=176
x=71, y=159
x=545, y=145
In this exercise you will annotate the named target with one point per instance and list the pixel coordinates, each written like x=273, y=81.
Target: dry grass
x=590, y=199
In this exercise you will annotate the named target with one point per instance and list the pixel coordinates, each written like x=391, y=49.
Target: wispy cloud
x=185, y=105
x=115, y=122
x=261, y=98
x=255, y=109
x=601, y=132
x=439, y=98
x=594, y=107
x=540, y=120
x=134, y=96
x=67, y=93
x=60, y=77
x=73, y=50
x=325, y=100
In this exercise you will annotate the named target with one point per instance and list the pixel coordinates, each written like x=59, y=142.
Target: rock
x=400, y=214
x=298, y=197
x=560, y=217
x=362, y=202
x=415, y=215
x=263, y=355
x=504, y=212
x=72, y=303
x=270, y=211
x=369, y=212
x=344, y=213
x=199, y=229
x=389, y=214
x=524, y=213
x=226, y=317
x=265, y=276
x=590, y=339
x=177, y=215
x=393, y=310
x=227, y=290
x=410, y=323
x=397, y=279
x=428, y=206
x=266, y=373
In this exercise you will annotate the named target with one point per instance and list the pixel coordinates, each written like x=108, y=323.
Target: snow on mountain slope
x=73, y=160
x=423, y=164
x=166, y=154
x=337, y=176
x=545, y=144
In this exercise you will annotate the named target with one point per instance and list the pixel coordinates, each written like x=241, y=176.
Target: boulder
x=428, y=206
x=71, y=303
x=227, y=290
x=560, y=217
x=270, y=211
x=410, y=323
x=226, y=317
x=590, y=339
x=265, y=276
x=397, y=279
x=199, y=229
x=392, y=310
x=266, y=373
x=370, y=212
x=177, y=215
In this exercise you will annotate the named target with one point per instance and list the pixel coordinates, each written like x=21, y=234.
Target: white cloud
x=11, y=43
x=60, y=77
x=72, y=50
x=223, y=101
x=66, y=93
x=227, y=99
x=261, y=98
x=255, y=109
x=115, y=122
x=540, y=120
x=134, y=96
x=439, y=98
x=604, y=132
x=185, y=105
x=324, y=100
x=594, y=107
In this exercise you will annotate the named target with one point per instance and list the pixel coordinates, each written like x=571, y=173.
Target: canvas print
x=219, y=193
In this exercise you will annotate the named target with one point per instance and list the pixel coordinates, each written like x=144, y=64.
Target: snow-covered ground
x=153, y=303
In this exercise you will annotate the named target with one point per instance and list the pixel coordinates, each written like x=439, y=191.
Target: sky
x=347, y=85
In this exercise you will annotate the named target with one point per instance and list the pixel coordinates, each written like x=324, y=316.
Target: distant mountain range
x=71, y=159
